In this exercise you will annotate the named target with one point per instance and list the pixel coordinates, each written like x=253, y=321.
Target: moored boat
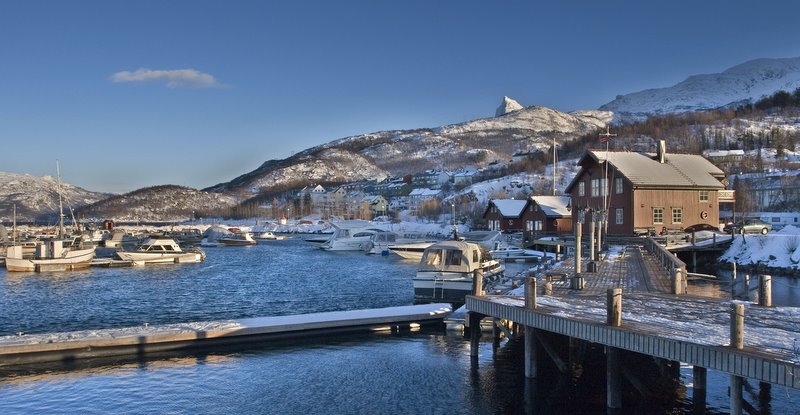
x=411, y=251
x=50, y=255
x=350, y=236
x=161, y=251
x=268, y=236
x=237, y=239
x=447, y=269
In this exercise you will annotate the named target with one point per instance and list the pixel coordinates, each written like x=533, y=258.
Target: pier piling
x=614, y=307
x=765, y=290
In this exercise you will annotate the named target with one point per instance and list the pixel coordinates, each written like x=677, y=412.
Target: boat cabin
x=452, y=256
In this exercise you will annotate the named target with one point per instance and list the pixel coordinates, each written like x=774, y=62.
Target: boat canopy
x=452, y=256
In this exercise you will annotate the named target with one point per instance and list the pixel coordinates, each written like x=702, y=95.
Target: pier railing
x=670, y=262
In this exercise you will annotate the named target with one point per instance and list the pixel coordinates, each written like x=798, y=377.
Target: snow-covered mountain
x=396, y=153
x=508, y=105
x=36, y=197
x=745, y=83
x=158, y=203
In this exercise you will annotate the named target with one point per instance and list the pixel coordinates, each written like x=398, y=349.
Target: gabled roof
x=680, y=171
x=422, y=192
x=553, y=206
x=509, y=208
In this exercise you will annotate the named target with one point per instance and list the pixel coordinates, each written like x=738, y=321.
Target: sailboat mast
x=60, y=202
x=554, y=166
x=14, y=226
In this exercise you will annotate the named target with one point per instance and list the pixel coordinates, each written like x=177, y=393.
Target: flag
x=605, y=138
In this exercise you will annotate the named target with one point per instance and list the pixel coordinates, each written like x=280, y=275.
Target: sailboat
x=57, y=254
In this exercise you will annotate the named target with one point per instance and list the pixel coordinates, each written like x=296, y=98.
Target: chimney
x=662, y=152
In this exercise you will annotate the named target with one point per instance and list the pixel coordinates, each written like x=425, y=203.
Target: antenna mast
x=60, y=203
x=554, y=165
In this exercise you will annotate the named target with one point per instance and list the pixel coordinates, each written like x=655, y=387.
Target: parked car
x=701, y=227
x=749, y=226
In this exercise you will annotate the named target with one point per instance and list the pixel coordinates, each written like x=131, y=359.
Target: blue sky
x=133, y=94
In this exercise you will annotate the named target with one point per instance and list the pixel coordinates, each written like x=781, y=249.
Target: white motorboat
x=486, y=239
x=353, y=236
x=50, y=255
x=237, y=239
x=161, y=251
x=268, y=236
x=382, y=242
x=447, y=269
x=513, y=253
x=411, y=251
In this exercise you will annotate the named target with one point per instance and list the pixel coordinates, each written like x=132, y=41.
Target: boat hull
x=74, y=260
x=447, y=286
x=141, y=258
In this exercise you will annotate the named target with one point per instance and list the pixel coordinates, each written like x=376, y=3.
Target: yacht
x=383, y=242
x=447, y=268
x=237, y=239
x=412, y=251
x=350, y=236
x=161, y=251
x=268, y=236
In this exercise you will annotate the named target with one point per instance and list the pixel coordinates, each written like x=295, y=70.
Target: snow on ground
x=775, y=249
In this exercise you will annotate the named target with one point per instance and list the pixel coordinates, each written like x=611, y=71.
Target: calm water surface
x=427, y=372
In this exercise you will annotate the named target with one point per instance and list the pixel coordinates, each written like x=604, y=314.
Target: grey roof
x=510, y=208
x=553, y=205
x=644, y=170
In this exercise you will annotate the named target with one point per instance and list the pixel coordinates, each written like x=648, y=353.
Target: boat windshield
x=433, y=257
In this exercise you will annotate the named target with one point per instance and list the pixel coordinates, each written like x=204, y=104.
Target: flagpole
x=606, y=186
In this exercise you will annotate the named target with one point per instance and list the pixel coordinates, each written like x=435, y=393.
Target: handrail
x=670, y=262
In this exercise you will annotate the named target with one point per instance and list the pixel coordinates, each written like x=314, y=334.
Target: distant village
x=634, y=192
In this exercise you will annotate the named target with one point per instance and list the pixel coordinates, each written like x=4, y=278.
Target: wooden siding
x=644, y=200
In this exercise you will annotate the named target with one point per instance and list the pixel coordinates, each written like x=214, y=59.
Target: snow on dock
x=28, y=348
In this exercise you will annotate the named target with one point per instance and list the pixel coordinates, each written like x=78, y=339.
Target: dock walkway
x=48, y=347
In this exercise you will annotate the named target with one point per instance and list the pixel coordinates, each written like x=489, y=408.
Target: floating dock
x=71, y=346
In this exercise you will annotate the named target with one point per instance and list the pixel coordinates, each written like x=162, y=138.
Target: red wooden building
x=645, y=192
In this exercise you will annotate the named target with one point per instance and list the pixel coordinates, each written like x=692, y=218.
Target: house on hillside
x=505, y=215
x=373, y=206
x=465, y=176
x=418, y=197
x=768, y=191
x=646, y=192
x=433, y=179
x=546, y=215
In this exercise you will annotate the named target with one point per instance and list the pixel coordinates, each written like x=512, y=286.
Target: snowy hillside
x=396, y=153
x=159, y=203
x=747, y=82
x=37, y=197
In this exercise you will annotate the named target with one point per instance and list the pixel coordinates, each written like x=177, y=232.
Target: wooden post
x=746, y=286
x=614, y=307
x=737, y=400
x=475, y=333
x=477, y=282
x=548, y=288
x=530, y=352
x=530, y=293
x=578, y=235
x=737, y=326
x=558, y=251
x=699, y=389
x=765, y=290
x=599, y=239
x=592, y=255
x=613, y=379
x=677, y=282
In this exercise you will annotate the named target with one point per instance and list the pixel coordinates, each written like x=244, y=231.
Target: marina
x=289, y=277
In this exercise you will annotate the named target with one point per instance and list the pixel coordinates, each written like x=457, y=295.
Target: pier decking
x=692, y=330
x=630, y=305
x=71, y=346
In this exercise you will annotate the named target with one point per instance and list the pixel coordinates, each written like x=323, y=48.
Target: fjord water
x=427, y=371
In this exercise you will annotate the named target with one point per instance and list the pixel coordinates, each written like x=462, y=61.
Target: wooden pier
x=67, y=347
x=628, y=306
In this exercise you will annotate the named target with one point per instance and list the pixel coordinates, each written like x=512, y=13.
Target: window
x=433, y=257
x=619, y=215
x=658, y=216
x=776, y=219
x=582, y=189
x=618, y=185
x=529, y=225
x=453, y=257
x=704, y=195
x=677, y=215
x=599, y=187
x=537, y=226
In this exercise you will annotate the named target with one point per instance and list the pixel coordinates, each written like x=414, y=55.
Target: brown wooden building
x=505, y=215
x=645, y=192
x=546, y=215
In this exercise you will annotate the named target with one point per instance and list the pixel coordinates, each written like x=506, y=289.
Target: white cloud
x=176, y=78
